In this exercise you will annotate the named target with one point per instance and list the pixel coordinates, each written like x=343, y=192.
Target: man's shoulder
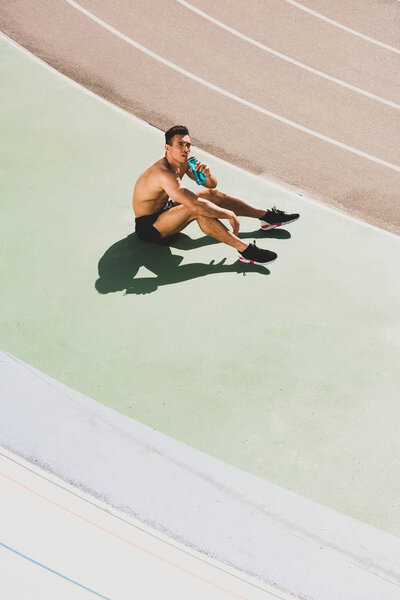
x=160, y=171
x=153, y=174
x=158, y=168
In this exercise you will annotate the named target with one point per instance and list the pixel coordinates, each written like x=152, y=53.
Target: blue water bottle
x=200, y=178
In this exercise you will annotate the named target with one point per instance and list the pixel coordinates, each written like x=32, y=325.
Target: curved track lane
x=364, y=180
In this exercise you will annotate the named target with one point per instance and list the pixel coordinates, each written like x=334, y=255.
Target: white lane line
x=264, y=177
x=288, y=59
x=348, y=29
x=228, y=94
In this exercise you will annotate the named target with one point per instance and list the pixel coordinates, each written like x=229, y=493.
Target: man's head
x=177, y=144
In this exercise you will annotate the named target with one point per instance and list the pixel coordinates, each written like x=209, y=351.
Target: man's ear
x=167, y=147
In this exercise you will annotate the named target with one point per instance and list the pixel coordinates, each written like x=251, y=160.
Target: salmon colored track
x=62, y=33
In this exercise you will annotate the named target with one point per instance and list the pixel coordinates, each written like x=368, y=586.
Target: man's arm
x=203, y=208
x=211, y=180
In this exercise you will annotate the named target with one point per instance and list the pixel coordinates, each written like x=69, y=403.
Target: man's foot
x=275, y=218
x=257, y=256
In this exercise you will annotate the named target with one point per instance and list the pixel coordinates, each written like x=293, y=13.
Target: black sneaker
x=275, y=218
x=257, y=256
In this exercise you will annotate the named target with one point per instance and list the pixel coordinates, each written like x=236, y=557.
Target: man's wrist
x=211, y=180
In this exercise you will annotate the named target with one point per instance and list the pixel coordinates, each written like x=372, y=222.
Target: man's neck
x=176, y=167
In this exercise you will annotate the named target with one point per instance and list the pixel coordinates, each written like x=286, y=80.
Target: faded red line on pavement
x=116, y=535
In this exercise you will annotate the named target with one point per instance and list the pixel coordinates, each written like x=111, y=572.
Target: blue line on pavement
x=52, y=571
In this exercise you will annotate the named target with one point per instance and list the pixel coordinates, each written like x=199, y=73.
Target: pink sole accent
x=268, y=226
x=271, y=226
x=253, y=262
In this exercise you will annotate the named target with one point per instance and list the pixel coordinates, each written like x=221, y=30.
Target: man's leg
x=214, y=228
x=269, y=219
x=239, y=207
x=173, y=220
x=248, y=253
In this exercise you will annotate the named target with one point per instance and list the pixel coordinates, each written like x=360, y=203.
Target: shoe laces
x=277, y=211
x=251, y=245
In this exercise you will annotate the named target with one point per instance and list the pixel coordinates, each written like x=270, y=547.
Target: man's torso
x=148, y=196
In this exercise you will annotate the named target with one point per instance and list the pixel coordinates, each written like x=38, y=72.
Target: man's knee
x=173, y=220
x=214, y=195
x=200, y=222
x=186, y=213
x=204, y=223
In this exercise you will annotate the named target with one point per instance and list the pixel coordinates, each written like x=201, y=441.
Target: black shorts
x=144, y=225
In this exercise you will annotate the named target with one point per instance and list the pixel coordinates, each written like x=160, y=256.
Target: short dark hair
x=175, y=130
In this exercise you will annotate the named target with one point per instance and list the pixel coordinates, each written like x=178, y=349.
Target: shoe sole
x=254, y=262
x=273, y=225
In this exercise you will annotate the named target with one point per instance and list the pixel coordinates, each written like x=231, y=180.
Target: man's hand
x=203, y=168
x=234, y=221
x=200, y=167
x=211, y=181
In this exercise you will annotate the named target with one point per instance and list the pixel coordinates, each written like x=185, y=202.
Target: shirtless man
x=163, y=207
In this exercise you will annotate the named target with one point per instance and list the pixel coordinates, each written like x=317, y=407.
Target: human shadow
x=119, y=265
x=184, y=242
